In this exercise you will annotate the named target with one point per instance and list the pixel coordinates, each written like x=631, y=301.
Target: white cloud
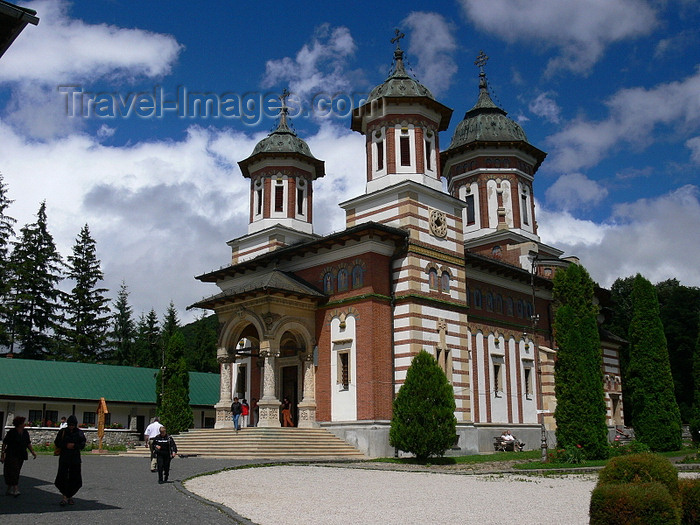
x=649, y=236
x=573, y=191
x=160, y=211
x=66, y=50
x=318, y=67
x=546, y=107
x=634, y=114
x=580, y=30
x=433, y=44
x=694, y=146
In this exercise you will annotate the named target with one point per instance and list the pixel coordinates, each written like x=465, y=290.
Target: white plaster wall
x=343, y=402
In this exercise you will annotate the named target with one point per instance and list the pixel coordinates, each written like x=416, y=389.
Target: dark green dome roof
x=282, y=140
x=399, y=83
x=486, y=122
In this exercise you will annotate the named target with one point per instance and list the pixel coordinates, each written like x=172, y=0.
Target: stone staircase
x=261, y=443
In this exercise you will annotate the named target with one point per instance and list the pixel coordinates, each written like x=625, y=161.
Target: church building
x=332, y=322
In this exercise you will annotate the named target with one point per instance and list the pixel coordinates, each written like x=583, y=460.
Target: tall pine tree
x=578, y=376
x=148, y=341
x=123, y=331
x=173, y=387
x=171, y=323
x=86, y=307
x=7, y=233
x=695, y=415
x=655, y=416
x=37, y=269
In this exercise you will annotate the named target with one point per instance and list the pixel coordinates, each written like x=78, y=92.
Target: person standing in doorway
x=149, y=435
x=69, y=478
x=165, y=450
x=287, y=413
x=254, y=413
x=236, y=411
x=245, y=411
x=14, y=454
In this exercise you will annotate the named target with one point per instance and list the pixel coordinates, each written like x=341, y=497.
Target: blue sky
x=610, y=89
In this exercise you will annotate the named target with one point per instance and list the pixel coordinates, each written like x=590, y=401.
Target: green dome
x=399, y=83
x=282, y=140
x=486, y=122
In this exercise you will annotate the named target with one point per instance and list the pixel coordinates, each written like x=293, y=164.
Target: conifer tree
x=578, y=376
x=200, y=349
x=656, y=417
x=86, y=307
x=7, y=233
x=423, y=421
x=37, y=269
x=148, y=341
x=695, y=417
x=123, y=330
x=171, y=323
x=173, y=387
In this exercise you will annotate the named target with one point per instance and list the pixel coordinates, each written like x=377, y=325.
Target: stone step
x=302, y=443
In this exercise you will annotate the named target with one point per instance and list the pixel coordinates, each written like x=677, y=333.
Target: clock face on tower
x=438, y=223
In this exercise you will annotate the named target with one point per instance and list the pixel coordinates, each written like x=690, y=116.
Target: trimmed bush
x=641, y=468
x=690, y=500
x=423, y=422
x=632, y=504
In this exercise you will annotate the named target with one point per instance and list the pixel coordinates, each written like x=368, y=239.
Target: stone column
x=307, y=407
x=223, y=407
x=269, y=404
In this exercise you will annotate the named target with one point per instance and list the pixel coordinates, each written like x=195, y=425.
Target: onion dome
x=282, y=143
x=399, y=88
x=486, y=122
x=399, y=83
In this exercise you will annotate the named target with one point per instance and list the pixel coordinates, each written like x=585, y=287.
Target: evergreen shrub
x=632, y=504
x=423, y=421
x=640, y=469
x=690, y=500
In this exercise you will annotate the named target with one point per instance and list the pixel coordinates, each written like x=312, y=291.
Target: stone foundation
x=112, y=436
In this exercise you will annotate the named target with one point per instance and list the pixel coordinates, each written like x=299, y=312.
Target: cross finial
x=283, y=99
x=397, y=38
x=481, y=60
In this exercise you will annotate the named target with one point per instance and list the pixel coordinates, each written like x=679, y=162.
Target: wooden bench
x=500, y=445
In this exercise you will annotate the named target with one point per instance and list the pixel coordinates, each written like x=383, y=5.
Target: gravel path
x=330, y=495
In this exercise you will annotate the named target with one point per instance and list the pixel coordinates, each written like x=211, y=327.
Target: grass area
x=461, y=460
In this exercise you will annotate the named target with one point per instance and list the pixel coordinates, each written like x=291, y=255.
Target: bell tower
x=491, y=166
x=281, y=170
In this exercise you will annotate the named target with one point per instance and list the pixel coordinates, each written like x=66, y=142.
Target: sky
x=98, y=117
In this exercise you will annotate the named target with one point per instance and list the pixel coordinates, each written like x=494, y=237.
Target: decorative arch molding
x=296, y=327
x=234, y=327
x=342, y=314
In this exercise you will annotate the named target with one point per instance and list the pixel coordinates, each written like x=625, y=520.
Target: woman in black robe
x=14, y=454
x=69, y=479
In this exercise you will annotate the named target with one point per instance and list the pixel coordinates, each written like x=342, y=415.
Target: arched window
x=489, y=302
x=520, y=308
x=433, y=279
x=469, y=297
x=498, y=306
x=342, y=280
x=477, y=298
x=445, y=282
x=328, y=283
x=509, y=306
x=357, y=277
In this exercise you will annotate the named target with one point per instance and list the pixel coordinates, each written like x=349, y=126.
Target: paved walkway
x=116, y=489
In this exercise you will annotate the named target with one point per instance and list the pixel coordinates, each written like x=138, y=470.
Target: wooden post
x=101, y=411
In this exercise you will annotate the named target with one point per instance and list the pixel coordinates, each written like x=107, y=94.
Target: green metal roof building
x=28, y=386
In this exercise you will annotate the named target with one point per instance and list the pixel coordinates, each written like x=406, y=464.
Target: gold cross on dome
x=481, y=60
x=398, y=37
x=283, y=98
